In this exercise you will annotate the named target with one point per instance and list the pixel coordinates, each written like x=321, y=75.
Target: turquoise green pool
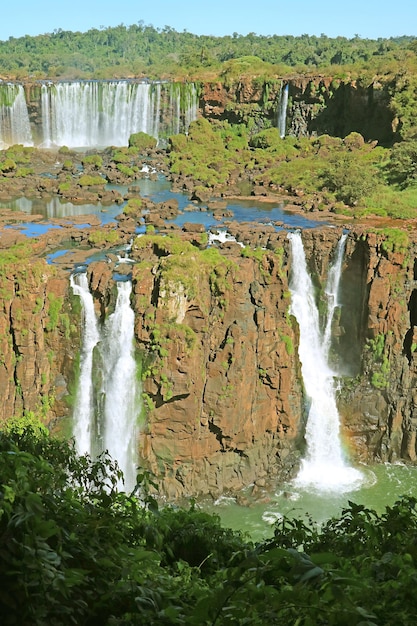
x=383, y=484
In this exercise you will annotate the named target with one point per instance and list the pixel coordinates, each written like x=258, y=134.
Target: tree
x=402, y=166
x=348, y=177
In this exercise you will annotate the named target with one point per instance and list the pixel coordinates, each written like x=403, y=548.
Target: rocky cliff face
x=379, y=405
x=223, y=397
x=38, y=346
x=316, y=105
x=222, y=384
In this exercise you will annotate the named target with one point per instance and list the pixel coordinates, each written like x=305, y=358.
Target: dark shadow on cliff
x=354, y=310
x=364, y=110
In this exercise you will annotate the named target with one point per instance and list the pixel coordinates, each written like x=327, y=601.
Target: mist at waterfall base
x=107, y=402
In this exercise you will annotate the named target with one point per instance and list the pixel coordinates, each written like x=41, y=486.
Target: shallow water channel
x=159, y=190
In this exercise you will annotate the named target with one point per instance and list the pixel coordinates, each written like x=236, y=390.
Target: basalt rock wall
x=316, y=106
x=39, y=345
x=222, y=385
x=223, y=395
x=225, y=403
x=379, y=403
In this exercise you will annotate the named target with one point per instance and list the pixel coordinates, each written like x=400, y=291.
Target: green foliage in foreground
x=74, y=550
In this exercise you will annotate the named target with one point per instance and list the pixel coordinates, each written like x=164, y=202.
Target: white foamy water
x=84, y=405
x=120, y=386
x=108, y=400
x=324, y=466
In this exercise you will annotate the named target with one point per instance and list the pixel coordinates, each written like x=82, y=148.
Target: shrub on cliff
x=91, y=181
x=93, y=160
x=402, y=165
x=269, y=138
x=8, y=165
x=142, y=142
x=204, y=155
x=348, y=178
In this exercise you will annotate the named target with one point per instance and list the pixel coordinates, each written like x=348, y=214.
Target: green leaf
x=314, y=572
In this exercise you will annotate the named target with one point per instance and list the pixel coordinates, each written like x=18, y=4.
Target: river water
x=159, y=190
x=383, y=484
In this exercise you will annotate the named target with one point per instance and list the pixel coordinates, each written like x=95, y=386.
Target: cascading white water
x=190, y=106
x=119, y=390
x=14, y=116
x=282, y=110
x=106, y=113
x=84, y=406
x=324, y=467
x=107, y=403
x=332, y=292
x=87, y=114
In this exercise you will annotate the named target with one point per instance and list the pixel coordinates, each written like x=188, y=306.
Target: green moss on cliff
x=185, y=268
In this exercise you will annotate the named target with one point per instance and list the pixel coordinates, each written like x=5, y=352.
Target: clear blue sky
x=366, y=18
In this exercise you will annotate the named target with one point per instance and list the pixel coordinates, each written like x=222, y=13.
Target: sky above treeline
x=369, y=19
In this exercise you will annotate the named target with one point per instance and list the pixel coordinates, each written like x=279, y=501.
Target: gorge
x=216, y=357
x=208, y=326
x=223, y=400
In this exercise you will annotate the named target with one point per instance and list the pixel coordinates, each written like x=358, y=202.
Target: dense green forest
x=74, y=550
x=142, y=50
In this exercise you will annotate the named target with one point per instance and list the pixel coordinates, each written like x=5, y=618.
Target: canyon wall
x=223, y=398
x=222, y=377
x=316, y=105
x=39, y=346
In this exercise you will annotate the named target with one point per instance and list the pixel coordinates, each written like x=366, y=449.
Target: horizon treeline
x=141, y=50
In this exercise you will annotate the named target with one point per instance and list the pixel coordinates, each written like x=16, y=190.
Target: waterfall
x=14, y=116
x=107, y=403
x=106, y=113
x=282, y=110
x=332, y=291
x=190, y=105
x=91, y=113
x=83, y=408
x=324, y=466
x=119, y=385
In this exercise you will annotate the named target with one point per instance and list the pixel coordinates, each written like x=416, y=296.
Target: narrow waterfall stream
x=108, y=401
x=282, y=110
x=324, y=466
x=84, y=407
x=14, y=116
x=119, y=386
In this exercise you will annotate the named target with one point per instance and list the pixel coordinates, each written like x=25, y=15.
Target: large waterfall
x=324, y=466
x=107, y=404
x=88, y=114
x=14, y=116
